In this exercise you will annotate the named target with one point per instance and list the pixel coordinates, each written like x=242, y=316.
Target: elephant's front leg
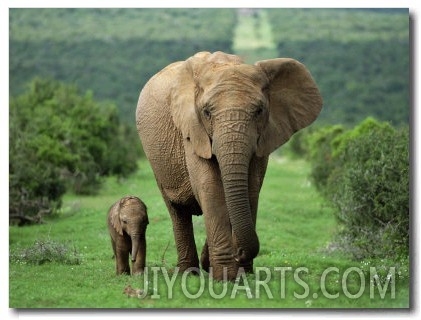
x=122, y=259
x=217, y=255
x=219, y=246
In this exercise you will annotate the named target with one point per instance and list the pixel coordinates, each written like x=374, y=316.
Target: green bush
x=367, y=126
x=370, y=189
x=60, y=139
x=320, y=150
x=297, y=146
x=364, y=173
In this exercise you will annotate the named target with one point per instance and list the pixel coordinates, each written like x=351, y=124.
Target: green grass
x=294, y=226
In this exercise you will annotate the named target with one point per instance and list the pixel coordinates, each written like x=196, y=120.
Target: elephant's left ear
x=115, y=218
x=294, y=102
x=183, y=106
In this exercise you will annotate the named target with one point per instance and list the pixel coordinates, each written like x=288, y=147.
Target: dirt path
x=253, y=38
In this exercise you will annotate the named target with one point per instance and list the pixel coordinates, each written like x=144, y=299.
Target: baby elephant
x=127, y=221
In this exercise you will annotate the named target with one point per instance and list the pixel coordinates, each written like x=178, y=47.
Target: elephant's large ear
x=294, y=102
x=115, y=217
x=183, y=106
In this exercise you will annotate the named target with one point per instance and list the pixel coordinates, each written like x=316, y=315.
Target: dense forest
x=359, y=58
x=112, y=52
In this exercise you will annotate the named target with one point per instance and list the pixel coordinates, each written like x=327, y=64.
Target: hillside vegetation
x=112, y=52
x=359, y=58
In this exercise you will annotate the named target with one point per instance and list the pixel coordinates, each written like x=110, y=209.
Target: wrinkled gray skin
x=207, y=126
x=127, y=220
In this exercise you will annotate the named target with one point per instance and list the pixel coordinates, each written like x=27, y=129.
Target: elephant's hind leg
x=204, y=257
x=181, y=216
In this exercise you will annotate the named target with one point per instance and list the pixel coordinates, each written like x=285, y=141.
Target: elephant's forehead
x=131, y=203
x=239, y=74
x=236, y=82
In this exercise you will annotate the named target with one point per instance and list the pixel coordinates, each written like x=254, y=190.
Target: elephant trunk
x=135, y=246
x=234, y=159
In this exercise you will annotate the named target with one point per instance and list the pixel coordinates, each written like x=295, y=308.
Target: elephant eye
x=124, y=221
x=206, y=113
x=259, y=110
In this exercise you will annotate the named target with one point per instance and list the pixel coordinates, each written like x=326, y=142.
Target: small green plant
x=43, y=251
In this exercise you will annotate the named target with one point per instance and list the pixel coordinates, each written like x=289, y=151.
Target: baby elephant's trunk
x=135, y=247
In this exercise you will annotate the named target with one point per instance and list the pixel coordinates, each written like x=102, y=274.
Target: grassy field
x=294, y=269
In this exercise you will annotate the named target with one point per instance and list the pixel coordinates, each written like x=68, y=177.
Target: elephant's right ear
x=183, y=107
x=294, y=102
x=114, y=217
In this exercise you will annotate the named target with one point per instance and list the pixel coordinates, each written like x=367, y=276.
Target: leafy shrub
x=364, y=173
x=320, y=150
x=43, y=251
x=370, y=189
x=61, y=139
x=367, y=126
x=297, y=146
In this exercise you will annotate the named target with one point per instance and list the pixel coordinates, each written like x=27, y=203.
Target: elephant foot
x=192, y=269
x=122, y=269
x=248, y=267
x=138, y=271
x=123, y=272
x=225, y=273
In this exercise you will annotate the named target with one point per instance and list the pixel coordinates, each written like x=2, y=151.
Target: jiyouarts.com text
x=271, y=283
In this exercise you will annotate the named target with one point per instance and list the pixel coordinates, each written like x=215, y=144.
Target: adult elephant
x=207, y=126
